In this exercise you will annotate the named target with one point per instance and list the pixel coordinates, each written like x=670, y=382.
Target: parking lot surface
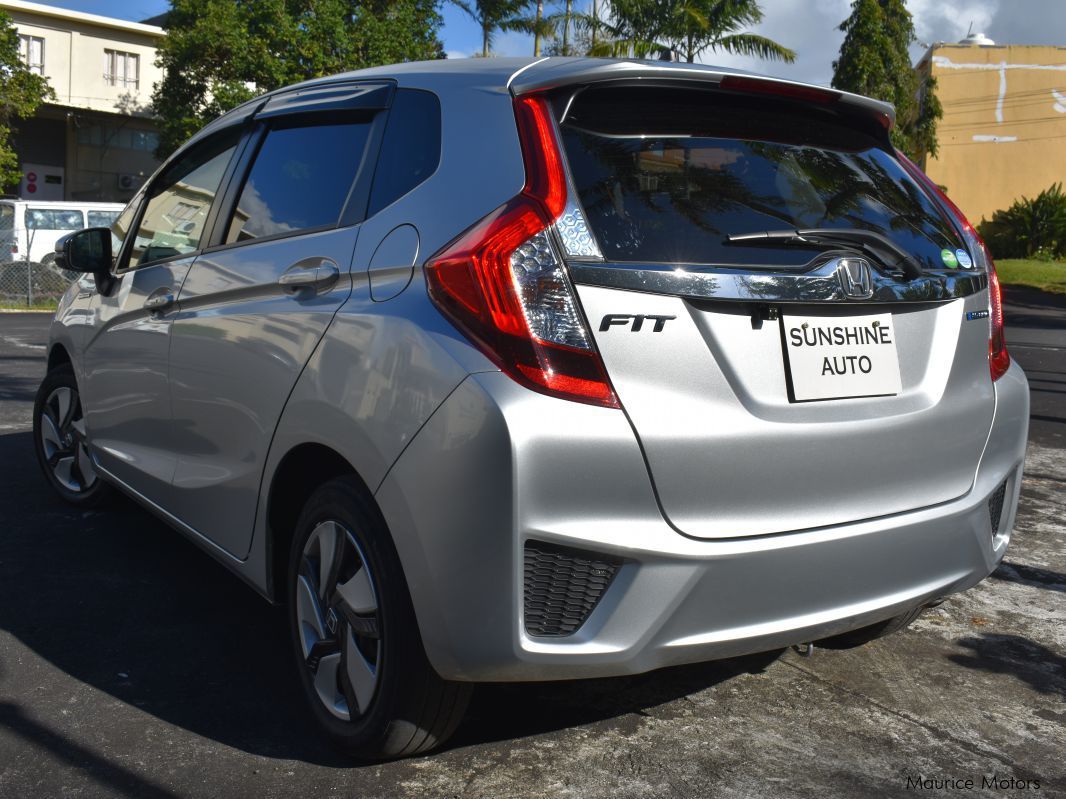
x=132, y=665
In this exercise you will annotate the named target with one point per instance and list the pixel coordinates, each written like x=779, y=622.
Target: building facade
x=1003, y=135
x=96, y=139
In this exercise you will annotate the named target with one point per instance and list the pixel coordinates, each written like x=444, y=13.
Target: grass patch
x=7, y=305
x=1049, y=277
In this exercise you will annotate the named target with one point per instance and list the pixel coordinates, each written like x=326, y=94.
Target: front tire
x=358, y=650
x=864, y=635
x=60, y=441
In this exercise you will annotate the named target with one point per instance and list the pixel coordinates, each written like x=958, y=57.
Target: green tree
x=21, y=92
x=696, y=26
x=220, y=53
x=493, y=16
x=647, y=28
x=875, y=61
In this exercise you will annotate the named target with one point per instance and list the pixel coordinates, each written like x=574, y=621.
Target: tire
x=356, y=643
x=865, y=635
x=59, y=439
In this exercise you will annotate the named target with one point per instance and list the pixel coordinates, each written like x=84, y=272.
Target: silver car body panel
x=466, y=465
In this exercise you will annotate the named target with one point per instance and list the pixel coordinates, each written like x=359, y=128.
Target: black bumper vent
x=995, y=507
x=562, y=586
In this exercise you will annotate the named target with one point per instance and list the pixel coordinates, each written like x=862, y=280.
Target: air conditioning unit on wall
x=129, y=182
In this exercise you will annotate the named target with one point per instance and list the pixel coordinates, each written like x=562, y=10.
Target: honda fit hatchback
x=506, y=370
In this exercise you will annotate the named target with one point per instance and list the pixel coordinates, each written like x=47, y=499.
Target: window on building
x=31, y=50
x=116, y=138
x=122, y=69
x=300, y=180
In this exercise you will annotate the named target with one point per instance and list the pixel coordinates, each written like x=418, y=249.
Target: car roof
x=522, y=75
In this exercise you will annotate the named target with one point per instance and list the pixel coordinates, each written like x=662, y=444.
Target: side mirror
x=86, y=250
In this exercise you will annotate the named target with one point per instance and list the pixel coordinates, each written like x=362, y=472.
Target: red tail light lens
x=998, y=357
x=504, y=285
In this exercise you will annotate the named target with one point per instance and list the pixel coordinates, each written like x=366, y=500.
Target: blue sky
x=808, y=26
x=461, y=36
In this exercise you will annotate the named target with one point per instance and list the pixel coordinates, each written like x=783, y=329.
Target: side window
x=101, y=218
x=300, y=180
x=410, y=151
x=179, y=201
x=51, y=219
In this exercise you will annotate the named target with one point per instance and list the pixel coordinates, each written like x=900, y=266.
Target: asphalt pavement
x=132, y=665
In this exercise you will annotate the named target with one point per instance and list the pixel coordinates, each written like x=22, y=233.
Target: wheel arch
x=57, y=356
x=299, y=473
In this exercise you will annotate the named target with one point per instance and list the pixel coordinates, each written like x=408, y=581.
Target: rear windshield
x=7, y=217
x=665, y=175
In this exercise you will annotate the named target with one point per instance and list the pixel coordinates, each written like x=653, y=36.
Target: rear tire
x=355, y=638
x=865, y=635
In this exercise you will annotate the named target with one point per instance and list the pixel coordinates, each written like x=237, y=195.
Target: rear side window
x=410, y=151
x=666, y=175
x=300, y=180
x=52, y=219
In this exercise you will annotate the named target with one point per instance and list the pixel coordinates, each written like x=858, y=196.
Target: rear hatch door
x=776, y=383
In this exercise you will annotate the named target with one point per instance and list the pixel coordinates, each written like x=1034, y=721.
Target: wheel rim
x=66, y=450
x=338, y=619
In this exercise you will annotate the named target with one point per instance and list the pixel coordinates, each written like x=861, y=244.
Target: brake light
x=749, y=85
x=998, y=356
x=503, y=284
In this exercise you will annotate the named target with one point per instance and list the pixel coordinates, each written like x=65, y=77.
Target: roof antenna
x=969, y=31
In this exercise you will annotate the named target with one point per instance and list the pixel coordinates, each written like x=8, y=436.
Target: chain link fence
x=27, y=283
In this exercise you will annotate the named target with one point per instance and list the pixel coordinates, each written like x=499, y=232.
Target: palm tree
x=689, y=27
x=493, y=16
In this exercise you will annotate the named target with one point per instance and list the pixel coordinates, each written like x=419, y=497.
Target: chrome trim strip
x=821, y=284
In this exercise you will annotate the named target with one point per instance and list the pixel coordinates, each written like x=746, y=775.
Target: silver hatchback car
x=514, y=370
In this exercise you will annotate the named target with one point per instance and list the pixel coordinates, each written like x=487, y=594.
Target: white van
x=29, y=230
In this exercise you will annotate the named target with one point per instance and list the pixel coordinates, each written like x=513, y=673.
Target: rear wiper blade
x=889, y=254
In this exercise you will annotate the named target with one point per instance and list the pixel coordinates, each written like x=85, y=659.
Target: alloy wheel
x=338, y=620
x=63, y=441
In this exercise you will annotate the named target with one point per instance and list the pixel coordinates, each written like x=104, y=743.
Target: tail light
x=998, y=357
x=503, y=284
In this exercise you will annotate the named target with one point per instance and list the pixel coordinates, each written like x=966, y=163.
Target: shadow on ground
x=120, y=602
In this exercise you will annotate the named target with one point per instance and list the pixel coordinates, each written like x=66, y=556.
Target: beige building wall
x=1003, y=135
x=74, y=55
x=96, y=137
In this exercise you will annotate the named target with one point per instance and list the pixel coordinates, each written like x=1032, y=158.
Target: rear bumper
x=498, y=465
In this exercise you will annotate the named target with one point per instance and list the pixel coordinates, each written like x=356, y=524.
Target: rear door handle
x=311, y=273
x=159, y=300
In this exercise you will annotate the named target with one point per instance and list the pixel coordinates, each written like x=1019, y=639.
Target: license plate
x=841, y=356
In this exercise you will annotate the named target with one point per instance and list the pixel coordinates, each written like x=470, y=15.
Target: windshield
x=672, y=182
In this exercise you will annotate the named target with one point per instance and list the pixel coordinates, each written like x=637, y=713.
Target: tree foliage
x=875, y=61
x=219, y=53
x=21, y=92
x=1030, y=227
x=493, y=16
x=686, y=28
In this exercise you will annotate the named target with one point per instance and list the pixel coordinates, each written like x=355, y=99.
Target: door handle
x=159, y=301
x=311, y=273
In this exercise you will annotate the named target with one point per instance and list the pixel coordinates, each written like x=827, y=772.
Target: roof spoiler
x=553, y=73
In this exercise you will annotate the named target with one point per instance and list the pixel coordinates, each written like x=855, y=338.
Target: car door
x=127, y=396
x=254, y=306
